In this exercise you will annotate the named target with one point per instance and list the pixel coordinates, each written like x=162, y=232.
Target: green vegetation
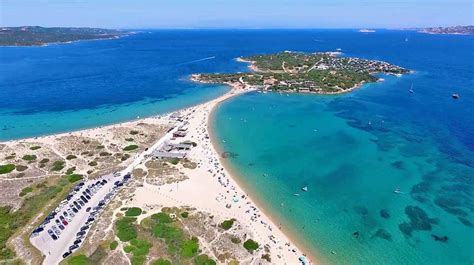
x=307, y=72
x=133, y=211
x=35, y=35
x=74, y=177
x=44, y=161
x=190, y=247
x=29, y=157
x=184, y=214
x=10, y=157
x=11, y=221
x=100, y=147
x=139, y=249
x=250, y=245
x=6, y=168
x=130, y=147
x=203, y=259
x=129, y=139
x=113, y=245
x=25, y=191
x=36, y=147
x=126, y=230
x=133, y=132
x=267, y=257
x=227, y=224
x=78, y=260
x=70, y=170
x=235, y=240
x=71, y=157
x=105, y=154
x=174, y=160
x=58, y=165
x=92, y=163
x=161, y=262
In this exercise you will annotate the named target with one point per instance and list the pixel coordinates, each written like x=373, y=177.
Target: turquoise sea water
x=351, y=151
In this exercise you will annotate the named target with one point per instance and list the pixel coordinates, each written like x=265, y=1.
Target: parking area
x=64, y=229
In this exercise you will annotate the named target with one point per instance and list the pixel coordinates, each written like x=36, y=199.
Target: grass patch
x=130, y=147
x=133, y=211
x=7, y=168
x=36, y=147
x=58, y=165
x=74, y=177
x=25, y=191
x=29, y=157
x=71, y=157
x=250, y=245
x=227, y=224
x=113, y=245
x=125, y=229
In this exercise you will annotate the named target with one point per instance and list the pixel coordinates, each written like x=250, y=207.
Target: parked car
x=61, y=226
x=80, y=233
x=71, y=248
x=77, y=241
x=88, y=209
x=66, y=254
x=65, y=222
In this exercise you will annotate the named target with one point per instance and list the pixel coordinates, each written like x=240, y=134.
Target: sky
x=129, y=14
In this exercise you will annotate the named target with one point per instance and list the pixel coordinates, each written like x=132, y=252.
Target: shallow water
x=352, y=151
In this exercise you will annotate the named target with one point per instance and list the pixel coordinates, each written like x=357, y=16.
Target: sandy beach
x=209, y=188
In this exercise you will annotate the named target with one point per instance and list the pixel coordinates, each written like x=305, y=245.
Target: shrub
x=58, y=165
x=104, y=154
x=44, y=161
x=130, y=147
x=203, y=259
x=129, y=139
x=71, y=157
x=126, y=230
x=133, y=132
x=227, y=224
x=25, y=191
x=29, y=157
x=100, y=147
x=174, y=161
x=162, y=217
x=92, y=164
x=267, y=257
x=36, y=147
x=70, y=170
x=190, y=248
x=74, y=177
x=235, y=240
x=113, y=245
x=78, y=260
x=250, y=245
x=133, y=211
x=21, y=168
x=6, y=168
x=161, y=261
x=184, y=214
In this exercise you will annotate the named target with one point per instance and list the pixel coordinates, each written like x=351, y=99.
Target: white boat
x=296, y=194
x=397, y=190
x=411, y=88
x=304, y=188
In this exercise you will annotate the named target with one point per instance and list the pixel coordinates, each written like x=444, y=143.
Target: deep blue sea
x=351, y=151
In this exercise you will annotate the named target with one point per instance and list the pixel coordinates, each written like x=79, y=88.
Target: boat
x=296, y=194
x=397, y=190
x=455, y=96
x=411, y=88
x=304, y=188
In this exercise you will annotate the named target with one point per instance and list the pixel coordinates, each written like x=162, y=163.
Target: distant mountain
x=459, y=30
x=37, y=36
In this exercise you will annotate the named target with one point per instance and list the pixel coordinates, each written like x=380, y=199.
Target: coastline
x=244, y=186
x=283, y=247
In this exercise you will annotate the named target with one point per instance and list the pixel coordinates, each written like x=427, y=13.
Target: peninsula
x=323, y=73
x=455, y=30
x=40, y=36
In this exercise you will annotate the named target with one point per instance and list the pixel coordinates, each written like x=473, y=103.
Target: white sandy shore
x=210, y=187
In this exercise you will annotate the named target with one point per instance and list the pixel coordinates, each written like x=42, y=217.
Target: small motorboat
x=397, y=190
x=304, y=188
x=455, y=96
x=296, y=194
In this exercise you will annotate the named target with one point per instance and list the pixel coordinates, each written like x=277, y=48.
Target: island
x=455, y=30
x=321, y=72
x=40, y=36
